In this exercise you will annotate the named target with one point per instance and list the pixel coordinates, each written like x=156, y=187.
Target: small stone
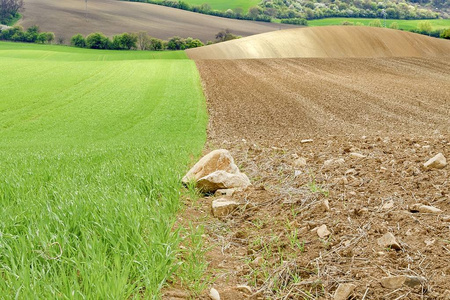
x=437, y=162
x=343, y=291
x=350, y=171
x=326, y=205
x=357, y=155
x=446, y=218
x=388, y=241
x=388, y=205
x=323, y=231
x=306, y=141
x=426, y=209
x=225, y=192
x=300, y=162
x=328, y=162
x=245, y=289
x=214, y=294
x=430, y=242
x=223, y=206
x=297, y=173
x=393, y=282
x=413, y=281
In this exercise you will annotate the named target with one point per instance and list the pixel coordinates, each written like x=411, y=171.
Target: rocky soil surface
x=341, y=204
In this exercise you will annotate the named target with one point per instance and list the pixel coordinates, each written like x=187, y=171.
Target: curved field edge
x=91, y=156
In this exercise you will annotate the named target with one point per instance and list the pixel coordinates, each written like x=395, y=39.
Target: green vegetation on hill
x=436, y=24
x=92, y=148
x=226, y=4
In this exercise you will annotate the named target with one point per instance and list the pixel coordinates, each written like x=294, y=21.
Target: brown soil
x=66, y=18
x=395, y=111
x=327, y=41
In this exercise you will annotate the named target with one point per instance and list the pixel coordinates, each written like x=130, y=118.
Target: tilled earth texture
x=327, y=41
x=69, y=17
x=335, y=142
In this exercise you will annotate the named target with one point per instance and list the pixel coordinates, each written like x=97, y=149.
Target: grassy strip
x=226, y=4
x=92, y=148
x=402, y=24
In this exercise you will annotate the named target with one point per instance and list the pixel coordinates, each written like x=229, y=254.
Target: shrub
x=176, y=43
x=445, y=34
x=125, y=41
x=98, y=41
x=375, y=23
x=295, y=21
x=394, y=25
x=193, y=43
x=78, y=41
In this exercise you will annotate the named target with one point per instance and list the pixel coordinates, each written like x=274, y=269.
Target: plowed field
x=371, y=124
x=68, y=17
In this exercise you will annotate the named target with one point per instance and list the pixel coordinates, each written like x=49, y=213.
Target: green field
x=402, y=24
x=92, y=148
x=224, y=4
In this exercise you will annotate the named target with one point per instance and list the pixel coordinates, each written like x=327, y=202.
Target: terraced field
x=92, y=147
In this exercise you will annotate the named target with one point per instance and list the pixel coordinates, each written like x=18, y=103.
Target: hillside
x=66, y=18
x=332, y=41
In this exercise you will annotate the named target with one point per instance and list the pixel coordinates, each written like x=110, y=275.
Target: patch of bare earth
x=373, y=124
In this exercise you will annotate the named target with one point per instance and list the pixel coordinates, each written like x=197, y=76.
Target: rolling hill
x=329, y=41
x=66, y=18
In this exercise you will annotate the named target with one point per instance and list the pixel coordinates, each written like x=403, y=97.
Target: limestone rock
x=418, y=207
x=326, y=205
x=214, y=161
x=343, y=291
x=214, y=294
x=388, y=241
x=222, y=180
x=357, y=155
x=323, y=231
x=395, y=282
x=437, y=162
x=223, y=206
x=300, y=162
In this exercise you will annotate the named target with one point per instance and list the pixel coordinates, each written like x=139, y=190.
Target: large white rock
x=214, y=161
x=437, y=162
x=222, y=180
x=215, y=171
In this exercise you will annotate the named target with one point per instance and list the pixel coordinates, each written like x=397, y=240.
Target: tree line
x=31, y=35
x=143, y=41
x=267, y=10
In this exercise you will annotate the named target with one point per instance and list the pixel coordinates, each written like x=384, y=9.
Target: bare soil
x=394, y=111
x=326, y=42
x=67, y=18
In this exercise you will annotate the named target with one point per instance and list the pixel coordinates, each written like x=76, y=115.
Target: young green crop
x=92, y=148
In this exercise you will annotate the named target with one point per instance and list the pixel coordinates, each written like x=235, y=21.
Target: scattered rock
x=388, y=241
x=297, y=173
x=395, y=282
x=223, y=206
x=257, y=261
x=437, y=162
x=225, y=192
x=306, y=141
x=245, y=289
x=222, y=180
x=323, y=231
x=300, y=162
x=388, y=205
x=331, y=162
x=326, y=205
x=418, y=207
x=343, y=291
x=214, y=294
x=446, y=218
x=357, y=155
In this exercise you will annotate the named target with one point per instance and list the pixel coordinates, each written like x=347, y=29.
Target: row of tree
x=143, y=41
x=267, y=10
x=31, y=35
x=133, y=41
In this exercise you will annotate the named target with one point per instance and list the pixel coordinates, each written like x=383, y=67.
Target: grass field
x=402, y=24
x=92, y=148
x=224, y=4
